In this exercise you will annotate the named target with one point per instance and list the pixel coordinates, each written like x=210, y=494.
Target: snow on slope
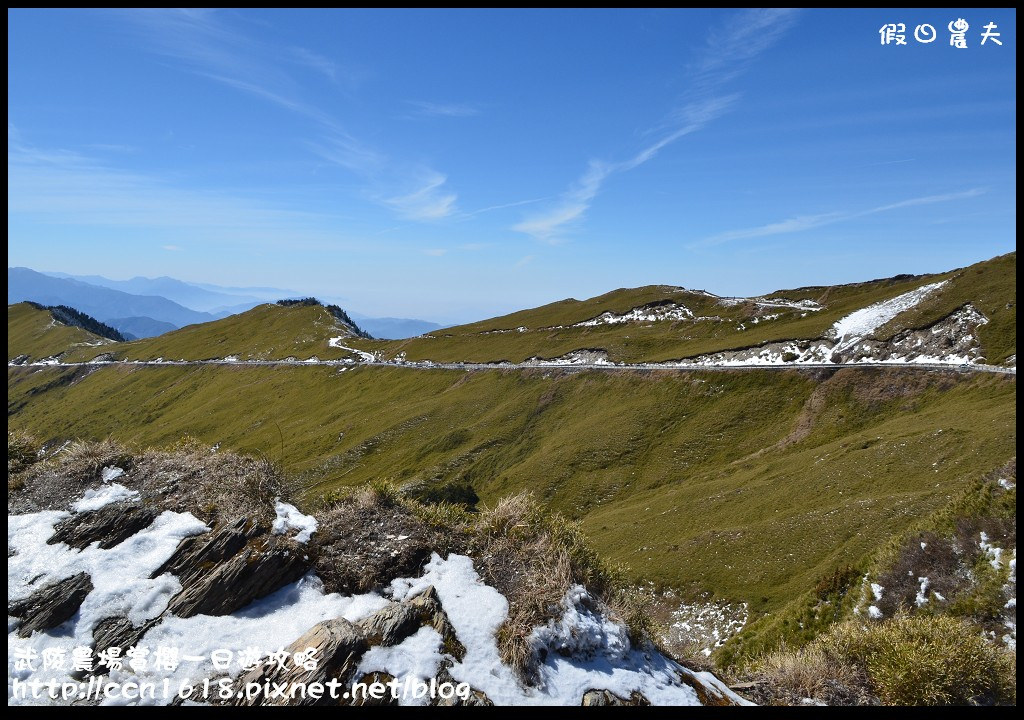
x=857, y=325
x=583, y=649
x=645, y=313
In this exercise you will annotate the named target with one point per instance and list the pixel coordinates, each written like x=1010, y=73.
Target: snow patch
x=289, y=518
x=857, y=325
x=103, y=496
x=477, y=610
x=111, y=473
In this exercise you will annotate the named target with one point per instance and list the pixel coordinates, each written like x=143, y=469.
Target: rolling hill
x=753, y=488
x=35, y=334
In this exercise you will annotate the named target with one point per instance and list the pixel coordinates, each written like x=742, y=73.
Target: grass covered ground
x=267, y=332
x=756, y=486
x=274, y=332
x=32, y=331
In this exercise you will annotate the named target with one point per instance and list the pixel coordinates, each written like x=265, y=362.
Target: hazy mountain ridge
x=216, y=301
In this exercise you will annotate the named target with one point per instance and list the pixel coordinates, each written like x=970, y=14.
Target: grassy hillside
x=752, y=485
x=546, y=331
x=991, y=287
x=263, y=333
x=34, y=332
x=273, y=332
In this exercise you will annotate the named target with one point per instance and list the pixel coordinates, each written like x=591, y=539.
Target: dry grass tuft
x=22, y=452
x=533, y=558
x=906, y=660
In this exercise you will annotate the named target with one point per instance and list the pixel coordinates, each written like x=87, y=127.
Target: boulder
x=110, y=525
x=51, y=605
x=263, y=565
x=339, y=645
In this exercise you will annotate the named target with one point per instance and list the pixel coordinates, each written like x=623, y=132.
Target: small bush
x=926, y=660
x=533, y=557
x=788, y=676
x=22, y=451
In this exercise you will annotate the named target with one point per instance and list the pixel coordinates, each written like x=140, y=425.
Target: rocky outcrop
x=117, y=632
x=339, y=645
x=444, y=677
x=51, y=605
x=263, y=565
x=598, y=698
x=197, y=554
x=110, y=525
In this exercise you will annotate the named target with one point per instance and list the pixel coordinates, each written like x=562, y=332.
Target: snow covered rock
x=260, y=568
x=339, y=645
x=109, y=526
x=51, y=605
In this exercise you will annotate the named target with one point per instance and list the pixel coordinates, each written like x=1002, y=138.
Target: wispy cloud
x=425, y=107
x=315, y=61
x=170, y=248
x=202, y=43
x=429, y=201
x=435, y=252
x=729, y=51
x=59, y=187
x=810, y=222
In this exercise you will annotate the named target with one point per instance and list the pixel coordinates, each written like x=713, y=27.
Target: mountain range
x=773, y=469
x=146, y=307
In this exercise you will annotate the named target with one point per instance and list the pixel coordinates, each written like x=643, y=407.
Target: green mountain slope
x=650, y=324
x=752, y=484
x=267, y=332
x=34, y=332
x=716, y=324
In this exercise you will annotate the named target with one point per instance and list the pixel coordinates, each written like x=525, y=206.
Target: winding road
x=543, y=365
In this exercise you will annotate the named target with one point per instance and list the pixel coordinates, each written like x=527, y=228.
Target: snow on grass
x=289, y=518
x=854, y=327
x=876, y=591
x=335, y=342
x=922, y=594
x=995, y=554
x=603, y=658
x=707, y=625
x=646, y=313
x=576, y=357
x=874, y=613
x=111, y=473
x=103, y=496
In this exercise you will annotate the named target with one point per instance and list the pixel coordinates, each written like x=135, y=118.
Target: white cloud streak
x=424, y=107
x=65, y=188
x=429, y=201
x=810, y=222
x=207, y=47
x=728, y=53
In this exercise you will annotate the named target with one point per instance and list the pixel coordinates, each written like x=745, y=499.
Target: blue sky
x=453, y=165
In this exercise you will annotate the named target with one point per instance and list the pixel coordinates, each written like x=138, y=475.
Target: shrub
x=22, y=451
x=926, y=660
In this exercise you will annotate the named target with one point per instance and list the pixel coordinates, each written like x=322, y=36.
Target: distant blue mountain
x=184, y=303
x=102, y=303
x=140, y=327
x=183, y=293
x=395, y=328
